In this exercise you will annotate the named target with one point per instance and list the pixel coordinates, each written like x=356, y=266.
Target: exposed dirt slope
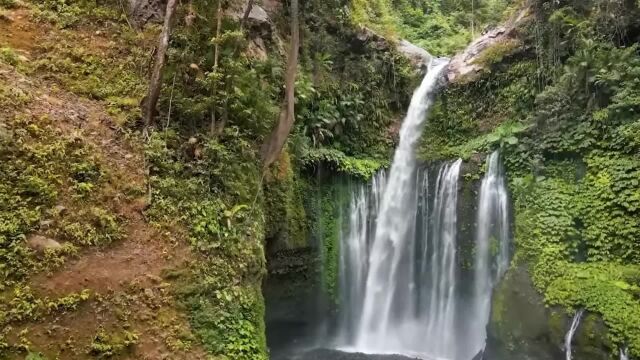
x=130, y=312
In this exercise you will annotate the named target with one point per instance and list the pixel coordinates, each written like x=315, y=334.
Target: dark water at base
x=325, y=354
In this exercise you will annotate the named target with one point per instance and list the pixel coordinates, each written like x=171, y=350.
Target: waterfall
x=404, y=288
x=441, y=289
x=492, y=247
x=386, y=294
x=624, y=355
x=572, y=330
x=354, y=247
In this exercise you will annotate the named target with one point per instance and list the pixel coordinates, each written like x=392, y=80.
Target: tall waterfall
x=572, y=330
x=404, y=284
x=388, y=288
x=492, y=246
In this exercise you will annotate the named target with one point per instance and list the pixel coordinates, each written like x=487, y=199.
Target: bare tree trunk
x=273, y=145
x=246, y=14
x=151, y=100
x=216, y=56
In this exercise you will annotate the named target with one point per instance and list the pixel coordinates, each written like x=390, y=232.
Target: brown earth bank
x=128, y=310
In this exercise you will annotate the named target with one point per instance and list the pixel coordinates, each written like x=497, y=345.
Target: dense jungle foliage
x=563, y=109
x=561, y=101
x=205, y=185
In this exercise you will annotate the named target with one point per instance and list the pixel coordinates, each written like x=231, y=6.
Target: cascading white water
x=623, y=354
x=403, y=286
x=379, y=328
x=354, y=246
x=572, y=330
x=492, y=248
x=441, y=289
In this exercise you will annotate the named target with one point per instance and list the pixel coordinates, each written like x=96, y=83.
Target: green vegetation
x=563, y=108
x=105, y=345
x=442, y=27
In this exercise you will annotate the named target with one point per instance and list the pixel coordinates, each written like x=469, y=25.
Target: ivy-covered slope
x=563, y=108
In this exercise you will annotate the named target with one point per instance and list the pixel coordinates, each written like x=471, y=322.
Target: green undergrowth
x=563, y=110
x=337, y=161
x=74, y=13
x=216, y=196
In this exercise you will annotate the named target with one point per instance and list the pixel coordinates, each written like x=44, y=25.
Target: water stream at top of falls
x=403, y=285
x=572, y=330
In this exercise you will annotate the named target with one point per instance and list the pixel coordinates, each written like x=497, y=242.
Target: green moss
x=339, y=162
x=107, y=345
x=286, y=219
x=497, y=53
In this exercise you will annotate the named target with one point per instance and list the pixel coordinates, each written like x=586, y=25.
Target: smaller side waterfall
x=624, y=355
x=354, y=251
x=492, y=248
x=572, y=330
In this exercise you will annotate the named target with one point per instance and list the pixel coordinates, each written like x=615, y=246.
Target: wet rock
x=521, y=326
x=41, y=243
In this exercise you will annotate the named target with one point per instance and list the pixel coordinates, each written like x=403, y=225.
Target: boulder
x=257, y=16
x=522, y=326
x=144, y=11
x=464, y=66
x=41, y=243
x=418, y=56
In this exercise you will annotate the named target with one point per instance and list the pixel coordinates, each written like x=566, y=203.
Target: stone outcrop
x=418, y=56
x=41, y=243
x=144, y=11
x=464, y=64
x=523, y=327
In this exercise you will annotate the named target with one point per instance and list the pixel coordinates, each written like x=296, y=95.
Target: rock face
x=418, y=56
x=464, y=65
x=144, y=11
x=522, y=327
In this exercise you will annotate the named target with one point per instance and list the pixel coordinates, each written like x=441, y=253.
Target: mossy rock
x=523, y=327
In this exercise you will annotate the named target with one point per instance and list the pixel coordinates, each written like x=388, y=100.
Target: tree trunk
x=246, y=14
x=155, y=85
x=216, y=56
x=273, y=145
